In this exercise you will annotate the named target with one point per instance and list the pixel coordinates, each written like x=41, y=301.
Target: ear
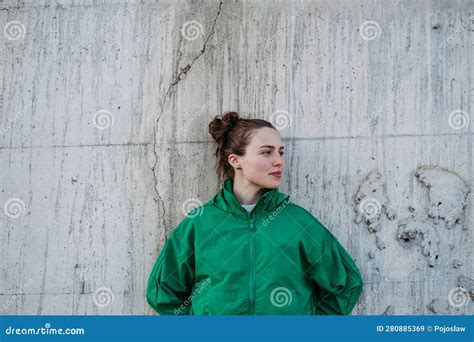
x=234, y=161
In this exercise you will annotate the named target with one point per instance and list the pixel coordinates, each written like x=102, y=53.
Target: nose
x=279, y=161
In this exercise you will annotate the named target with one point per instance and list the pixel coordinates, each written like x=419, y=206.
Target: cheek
x=259, y=164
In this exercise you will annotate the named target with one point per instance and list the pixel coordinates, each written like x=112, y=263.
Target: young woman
x=249, y=250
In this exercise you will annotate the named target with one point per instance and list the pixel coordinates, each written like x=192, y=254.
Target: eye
x=282, y=153
x=267, y=153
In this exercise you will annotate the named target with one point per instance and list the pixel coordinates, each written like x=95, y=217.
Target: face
x=263, y=157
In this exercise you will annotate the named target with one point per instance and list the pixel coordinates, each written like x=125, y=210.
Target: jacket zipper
x=252, y=267
x=252, y=287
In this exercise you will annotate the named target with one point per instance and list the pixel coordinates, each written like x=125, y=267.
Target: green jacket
x=276, y=260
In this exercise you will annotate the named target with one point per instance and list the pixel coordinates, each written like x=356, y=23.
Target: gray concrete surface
x=104, y=143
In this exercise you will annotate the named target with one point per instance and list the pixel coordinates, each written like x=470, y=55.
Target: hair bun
x=229, y=120
x=220, y=125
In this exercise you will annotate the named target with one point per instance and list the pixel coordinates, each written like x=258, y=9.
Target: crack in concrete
x=178, y=78
x=189, y=66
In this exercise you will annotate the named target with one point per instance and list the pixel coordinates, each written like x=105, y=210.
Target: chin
x=269, y=182
x=272, y=184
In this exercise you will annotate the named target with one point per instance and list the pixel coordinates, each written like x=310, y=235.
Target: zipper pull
x=252, y=226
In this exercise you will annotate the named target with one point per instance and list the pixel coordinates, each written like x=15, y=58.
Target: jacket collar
x=226, y=200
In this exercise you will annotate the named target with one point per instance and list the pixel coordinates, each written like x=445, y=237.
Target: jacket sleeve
x=172, y=277
x=335, y=277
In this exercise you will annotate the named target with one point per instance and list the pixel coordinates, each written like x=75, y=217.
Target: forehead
x=265, y=136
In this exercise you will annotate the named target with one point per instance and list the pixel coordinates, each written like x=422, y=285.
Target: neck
x=245, y=191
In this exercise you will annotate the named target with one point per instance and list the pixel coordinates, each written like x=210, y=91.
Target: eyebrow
x=270, y=146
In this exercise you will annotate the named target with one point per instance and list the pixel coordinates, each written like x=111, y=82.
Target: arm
x=172, y=277
x=336, y=279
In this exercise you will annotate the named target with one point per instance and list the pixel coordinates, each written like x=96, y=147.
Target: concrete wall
x=104, y=143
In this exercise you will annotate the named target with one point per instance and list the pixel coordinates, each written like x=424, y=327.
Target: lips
x=276, y=174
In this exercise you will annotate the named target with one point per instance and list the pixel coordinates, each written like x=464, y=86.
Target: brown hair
x=232, y=134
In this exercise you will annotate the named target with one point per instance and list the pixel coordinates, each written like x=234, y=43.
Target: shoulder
x=312, y=224
x=194, y=218
x=302, y=213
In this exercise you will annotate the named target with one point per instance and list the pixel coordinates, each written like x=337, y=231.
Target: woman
x=249, y=250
